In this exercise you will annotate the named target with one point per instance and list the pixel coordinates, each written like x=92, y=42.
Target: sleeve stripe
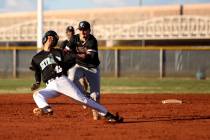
x=91, y=50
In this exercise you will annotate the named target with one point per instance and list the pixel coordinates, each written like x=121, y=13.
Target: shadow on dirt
x=166, y=119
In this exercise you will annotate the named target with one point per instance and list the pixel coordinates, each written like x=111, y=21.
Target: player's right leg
x=40, y=98
x=84, y=84
x=75, y=74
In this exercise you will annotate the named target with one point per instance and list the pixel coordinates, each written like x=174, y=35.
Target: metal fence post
x=116, y=63
x=14, y=68
x=161, y=64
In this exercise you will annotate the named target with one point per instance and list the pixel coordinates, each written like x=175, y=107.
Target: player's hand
x=66, y=50
x=81, y=50
x=35, y=86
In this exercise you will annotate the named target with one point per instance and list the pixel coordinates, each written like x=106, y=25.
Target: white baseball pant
x=62, y=85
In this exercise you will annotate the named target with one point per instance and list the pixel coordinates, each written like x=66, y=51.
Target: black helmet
x=70, y=29
x=53, y=34
x=84, y=25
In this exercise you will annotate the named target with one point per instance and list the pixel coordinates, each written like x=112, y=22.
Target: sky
x=30, y=5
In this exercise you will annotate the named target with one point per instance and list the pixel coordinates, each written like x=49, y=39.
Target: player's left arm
x=92, y=49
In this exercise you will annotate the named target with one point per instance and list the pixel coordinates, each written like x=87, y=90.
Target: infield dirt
x=145, y=118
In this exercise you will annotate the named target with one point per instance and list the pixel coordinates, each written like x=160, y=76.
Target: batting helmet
x=53, y=34
x=84, y=25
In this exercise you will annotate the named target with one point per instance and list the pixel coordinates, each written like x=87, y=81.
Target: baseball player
x=47, y=65
x=68, y=48
x=65, y=45
x=87, y=62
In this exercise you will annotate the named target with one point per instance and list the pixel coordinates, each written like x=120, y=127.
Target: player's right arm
x=37, y=75
x=68, y=46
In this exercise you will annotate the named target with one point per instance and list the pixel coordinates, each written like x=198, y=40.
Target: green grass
x=15, y=85
x=137, y=85
x=123, y=85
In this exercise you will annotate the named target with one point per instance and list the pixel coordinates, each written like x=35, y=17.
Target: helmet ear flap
x=44, y=39
x=55, y=41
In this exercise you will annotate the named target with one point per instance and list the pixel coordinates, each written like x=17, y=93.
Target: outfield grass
x=136, y=85
x=123, y=85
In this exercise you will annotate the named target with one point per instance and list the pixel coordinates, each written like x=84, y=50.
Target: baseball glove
x=81, y=50
x=35, y=86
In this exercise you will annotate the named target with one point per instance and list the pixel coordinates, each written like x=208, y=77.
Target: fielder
x=68, y=48
x=87, y=62
x=47, y=64
x=65, y=45
x=68, y=51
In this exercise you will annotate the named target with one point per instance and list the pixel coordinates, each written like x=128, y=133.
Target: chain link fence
x=122, y=61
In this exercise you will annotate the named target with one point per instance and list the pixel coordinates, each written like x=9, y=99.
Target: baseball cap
x=70, y=29
x=84, y=25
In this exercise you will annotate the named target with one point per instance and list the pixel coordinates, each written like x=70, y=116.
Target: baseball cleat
x=43, y=111
x=113, y=118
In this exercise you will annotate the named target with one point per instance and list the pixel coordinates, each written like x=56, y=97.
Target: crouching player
x=47, y=64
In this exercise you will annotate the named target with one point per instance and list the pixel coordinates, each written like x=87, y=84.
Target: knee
x=35, y=94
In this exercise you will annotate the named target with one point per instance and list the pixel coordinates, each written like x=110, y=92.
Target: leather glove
x=35, y=86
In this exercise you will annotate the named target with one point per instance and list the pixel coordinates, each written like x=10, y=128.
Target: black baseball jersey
x=91, y=45
x=64, y=44
x=47, y=65
x=69, y=51
x=67, y=44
